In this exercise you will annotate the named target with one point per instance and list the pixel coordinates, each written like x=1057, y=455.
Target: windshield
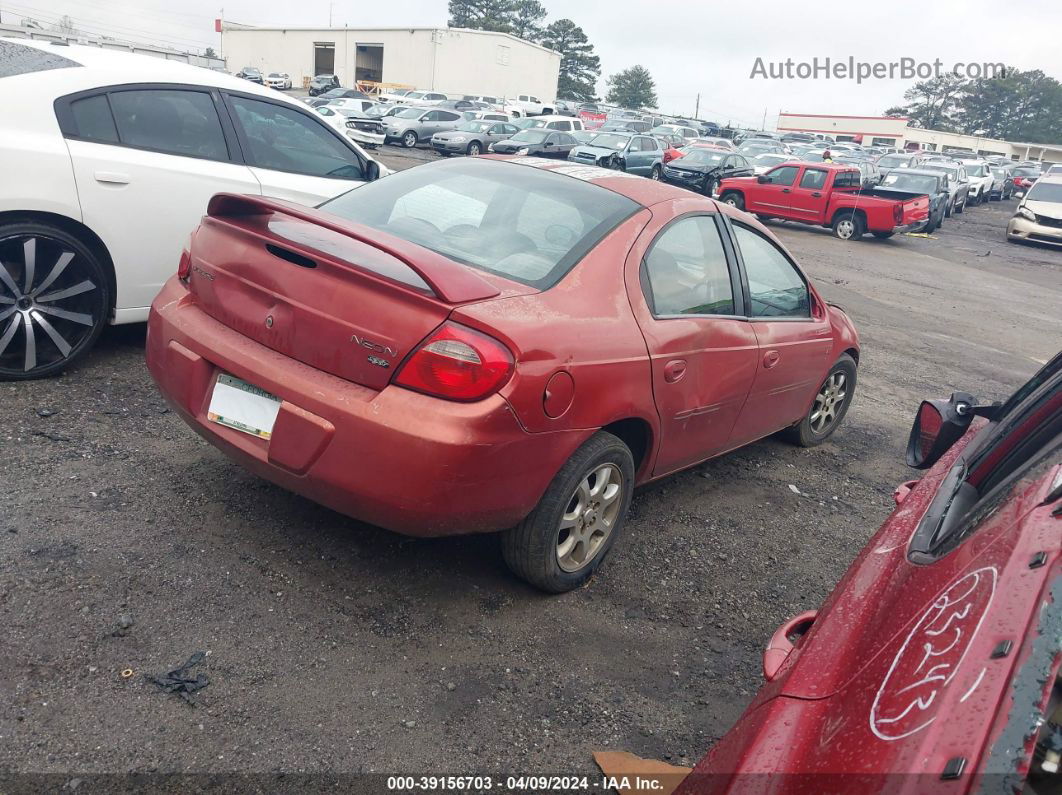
x=1026, y=171
x=530, y=136
x=410, y=113
x=474, y=126
x=412, y=95
x=529, y=124
x=516, y=221
x=975, y=170
x=378, y=110
x=913, y=183
x=951, y=171
x=610, y=141
x=769, y=160
x=894, y=161
x=1045, y=192
x=702, y=157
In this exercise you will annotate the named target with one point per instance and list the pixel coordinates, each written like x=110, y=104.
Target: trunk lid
x=330, y=293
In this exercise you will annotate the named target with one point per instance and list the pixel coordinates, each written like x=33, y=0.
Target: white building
x=894, y=131
x=449, y=60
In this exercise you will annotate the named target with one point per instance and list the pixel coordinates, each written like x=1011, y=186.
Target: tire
x=960, y=207
x=475, y=148
x=656, y=174
x=848, y=226
x=617, y=163
x=734, y=199
x=948, y=210
x=55, y=319
x=804, y=433
x=409, y=139
x=533, y=549
x=709, y=186
x=883, y=235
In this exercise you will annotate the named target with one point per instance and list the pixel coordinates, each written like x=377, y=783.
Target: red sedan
x=934, y=664
x=484, y=345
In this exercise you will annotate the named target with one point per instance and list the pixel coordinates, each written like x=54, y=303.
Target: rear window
x=18, y=59
x=516, y=221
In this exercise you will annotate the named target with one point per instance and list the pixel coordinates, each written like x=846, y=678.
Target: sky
x=705, y=48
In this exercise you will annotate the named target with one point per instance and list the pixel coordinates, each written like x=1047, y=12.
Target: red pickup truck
x=826, y=194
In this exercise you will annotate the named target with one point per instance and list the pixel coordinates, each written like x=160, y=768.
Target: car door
x=808, y=197
x=772, y=195
x=294, y=155
x=446, y=120
x=648, y=154
x=793, y=334
x=686, y=295
x=146, y=161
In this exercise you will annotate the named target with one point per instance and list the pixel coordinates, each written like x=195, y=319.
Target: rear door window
x=813, y=179
x=687, y=271
x=93, y=120
x=172, y=121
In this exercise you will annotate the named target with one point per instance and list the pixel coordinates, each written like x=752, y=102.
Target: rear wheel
x=829, y=407
x=565, y=538
x=54, y=300
x=409, y=140
x=656, y=174
x=848, y=226
x=733, y=199
x=475, y=148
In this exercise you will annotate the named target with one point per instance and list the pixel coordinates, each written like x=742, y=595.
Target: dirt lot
x=127, y=542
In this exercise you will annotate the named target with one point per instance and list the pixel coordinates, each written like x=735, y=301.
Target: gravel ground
x=129, y=543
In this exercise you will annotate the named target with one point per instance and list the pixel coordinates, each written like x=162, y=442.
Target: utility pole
x=697, y=107
x=330, y=14
x=764, y=125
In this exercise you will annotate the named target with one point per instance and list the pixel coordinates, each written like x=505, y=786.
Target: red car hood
x=907, y=667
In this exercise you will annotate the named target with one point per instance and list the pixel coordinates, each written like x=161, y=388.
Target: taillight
x=897, y=213
x=184, y=265
x=457, y=363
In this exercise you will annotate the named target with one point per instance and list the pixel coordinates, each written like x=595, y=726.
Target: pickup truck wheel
x=564, y=539
x=409, y=140
x=829, y=406
x=848, y=226
x=733, y=199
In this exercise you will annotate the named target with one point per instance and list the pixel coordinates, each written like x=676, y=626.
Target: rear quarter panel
x=583, y=326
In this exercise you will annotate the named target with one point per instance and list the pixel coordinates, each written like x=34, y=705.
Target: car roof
x=98, y=67
x=921, y=172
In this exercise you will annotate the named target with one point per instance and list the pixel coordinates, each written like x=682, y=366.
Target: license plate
x=244, y=407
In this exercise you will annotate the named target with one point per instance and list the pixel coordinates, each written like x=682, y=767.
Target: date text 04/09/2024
x=522, y=783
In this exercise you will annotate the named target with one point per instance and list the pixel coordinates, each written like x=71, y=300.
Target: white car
x=980, y=175
x=351, y=104
x=278, y=80
x=424, y=98
x=108, y=166
x=761, y=164
x=348, y=126
x=532, y=105
x=511, y=109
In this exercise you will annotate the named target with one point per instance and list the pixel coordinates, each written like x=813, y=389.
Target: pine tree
x=632, y=88
x=580, y=67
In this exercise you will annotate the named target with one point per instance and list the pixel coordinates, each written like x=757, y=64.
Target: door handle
x=771, y=358
x=674, y=370
x=816, y=194
x=786, y=190
x=111, y=177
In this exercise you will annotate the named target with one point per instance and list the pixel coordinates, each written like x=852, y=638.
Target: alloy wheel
x=590, y=516
x=50, y=305
x=845, y=229
x=474, y=149
x=828, y=402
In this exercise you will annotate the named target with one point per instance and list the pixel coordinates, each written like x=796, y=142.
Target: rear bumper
x=398, y=459
x=1023, y=229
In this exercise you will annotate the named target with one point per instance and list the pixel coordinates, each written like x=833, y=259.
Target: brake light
x=184, y=265
x=897, y=213
x=457, y=363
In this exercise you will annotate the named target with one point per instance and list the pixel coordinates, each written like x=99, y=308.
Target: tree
x=209, y=53
x=1020, y=106
x=632, y=88
x=66, y=24
x=579, y=67
x=527, y=18
x=932, y=103
x=496, y=15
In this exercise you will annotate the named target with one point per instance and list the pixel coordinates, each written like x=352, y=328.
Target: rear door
x=811, y=193
x=772, y=196
x=146, y=161
x=686, y=296
x=793, y=333
x=294, y=155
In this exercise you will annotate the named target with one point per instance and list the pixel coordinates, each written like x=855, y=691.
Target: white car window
x=171, y=121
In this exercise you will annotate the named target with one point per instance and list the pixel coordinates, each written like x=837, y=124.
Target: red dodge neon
x=485, y=345
x=934, y=664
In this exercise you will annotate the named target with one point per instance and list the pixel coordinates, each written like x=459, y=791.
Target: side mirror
x=372, y=171
x=763, y=179
x=937, y=426
x=548, y=144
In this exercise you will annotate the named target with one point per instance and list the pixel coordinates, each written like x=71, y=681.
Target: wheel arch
x=853, y=211
x=75, y=228
x=637, y=434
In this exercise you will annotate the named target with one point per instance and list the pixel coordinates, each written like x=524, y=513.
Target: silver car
x=413, y=125
x=472, y=137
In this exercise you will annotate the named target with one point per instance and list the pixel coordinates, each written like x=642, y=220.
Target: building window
x=502, y=56
x=884, y=142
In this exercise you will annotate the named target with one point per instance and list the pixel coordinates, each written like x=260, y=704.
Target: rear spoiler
x=451, y=282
